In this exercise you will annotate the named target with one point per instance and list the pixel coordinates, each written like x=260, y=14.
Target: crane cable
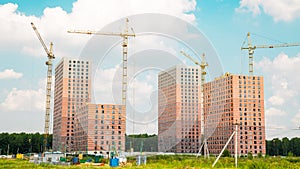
x=268, y=38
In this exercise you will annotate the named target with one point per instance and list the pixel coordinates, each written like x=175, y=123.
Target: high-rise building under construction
x=72, y=91
x=229, y=100
x=179, y=110
x=235, y=99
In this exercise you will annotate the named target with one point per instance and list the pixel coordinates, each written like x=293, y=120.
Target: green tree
x=285, y=146
x=269, y=148
x=150, y=142
x=22, y=142
x=295, y=146
x=277, y=146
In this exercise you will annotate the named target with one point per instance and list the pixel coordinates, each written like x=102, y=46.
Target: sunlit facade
x=179, y=110
x=235, y=99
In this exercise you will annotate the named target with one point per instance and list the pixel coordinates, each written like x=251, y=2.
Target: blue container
x=114, y=162
x=75, y=160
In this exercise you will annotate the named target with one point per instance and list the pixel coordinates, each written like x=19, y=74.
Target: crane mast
x=251, y=49
x=49, y=62
x=202, y=66
x=125, y=51
x=125, y=35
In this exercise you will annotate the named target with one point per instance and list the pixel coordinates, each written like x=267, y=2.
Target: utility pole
x=8, y=149
x=131, y=149
x=29, y=140
x=141, y=148
x=236, y=145
x=235, y=132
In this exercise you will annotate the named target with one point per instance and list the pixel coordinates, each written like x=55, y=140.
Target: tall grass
x=175, y=161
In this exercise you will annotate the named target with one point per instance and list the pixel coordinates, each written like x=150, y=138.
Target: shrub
x=290, y=154
x=249, y=155
x=259, y=155
x=226, y=153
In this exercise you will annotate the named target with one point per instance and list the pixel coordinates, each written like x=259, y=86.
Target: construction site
x=150, y=84
x=195, y=116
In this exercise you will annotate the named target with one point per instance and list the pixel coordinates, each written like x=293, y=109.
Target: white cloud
x=280, y=10
x=282, y=90
x=283, y=74
x=103, y=85
x=25, y=107
x=16, y=32
x=276, y=100
x=24, y=101
x=139, y=93
x=155, y=42
x=142, y=101
x=275, y=112
x=10, y=74
x=296, y=119
x=249, y=6
x=17, y=35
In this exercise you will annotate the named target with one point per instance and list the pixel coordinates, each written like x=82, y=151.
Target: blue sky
x=224, y=22
x=36, y=7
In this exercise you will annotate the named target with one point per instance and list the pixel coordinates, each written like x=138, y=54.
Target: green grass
x=176, y=161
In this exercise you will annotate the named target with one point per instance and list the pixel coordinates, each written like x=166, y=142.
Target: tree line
x=23, y=143
x=33, y=143
x=283, y=147
x=142, y=142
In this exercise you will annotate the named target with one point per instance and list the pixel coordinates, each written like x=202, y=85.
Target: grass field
x=175, y=161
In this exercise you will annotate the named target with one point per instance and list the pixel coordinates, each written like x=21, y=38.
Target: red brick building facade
x=179, y=108
x=235, y=99
x=100, y=127
x=72, y=90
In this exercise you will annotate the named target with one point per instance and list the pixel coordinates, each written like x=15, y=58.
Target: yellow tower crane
x=125, y=36
x=50, y=56
x=251, y=49
x=202, y=66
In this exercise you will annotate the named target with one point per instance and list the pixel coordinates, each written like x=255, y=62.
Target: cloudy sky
x=225, y=24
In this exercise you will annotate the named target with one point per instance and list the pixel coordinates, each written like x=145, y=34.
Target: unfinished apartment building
x=72, y=90
x=179, y=123
x=232, y=99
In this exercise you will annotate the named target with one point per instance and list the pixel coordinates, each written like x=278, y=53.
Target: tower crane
x=50, y=56
x=251, y=49
x=125, y=35
x=202, y=66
